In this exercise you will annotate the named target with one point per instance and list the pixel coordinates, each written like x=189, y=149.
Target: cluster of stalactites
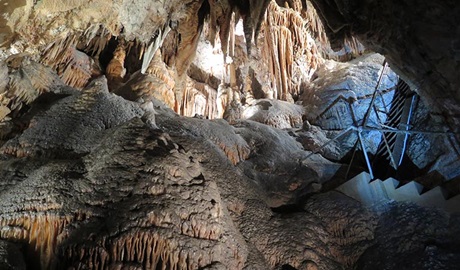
x=146, y=249
x=200, y=100
x=76, y=56
x=22, y=81
x=43, y=233
x=75, y=67
x=287, y=39
x=252, y=13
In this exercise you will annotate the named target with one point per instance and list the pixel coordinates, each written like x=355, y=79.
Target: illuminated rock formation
x=75, y=49
x=113, y=153
x=115, y=71
x=155, y=83
x=416, y=38
x=114, y=193
x=275, y=113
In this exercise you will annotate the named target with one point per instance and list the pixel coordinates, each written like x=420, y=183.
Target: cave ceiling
x=418, y=39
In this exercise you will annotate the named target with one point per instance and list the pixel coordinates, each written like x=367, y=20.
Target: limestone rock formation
x=431, y=237
x=341, y=85
x=23, y=80
x=341, y=95
x=126, y=195
x=417, y=38
x=313, y=139
x=275, y=163
x=275, y=113
x=156, y=82
x=188, y=134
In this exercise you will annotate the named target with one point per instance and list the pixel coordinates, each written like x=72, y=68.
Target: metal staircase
x=395, y=129
x=391, y=149
x=375, y=192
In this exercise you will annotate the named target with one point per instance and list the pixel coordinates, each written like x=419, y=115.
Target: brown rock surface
x=90, y=180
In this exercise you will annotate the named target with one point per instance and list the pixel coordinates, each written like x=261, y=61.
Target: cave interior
x=229, y=134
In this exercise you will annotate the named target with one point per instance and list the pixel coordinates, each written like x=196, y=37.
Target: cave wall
x=418, y=38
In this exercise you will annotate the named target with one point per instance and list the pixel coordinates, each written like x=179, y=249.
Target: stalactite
x=281, y=35
x=253, y=16
x=96, y=38
x=200, y=100
x=220, y=22
x=189, y=30
x=353, y=47
x=258, y=14
x=42, y=232
x=291, y=52
x=77, y=68
x=150, y=249
x=56, y=51
x=315, y=25
x=156, y=43
x=74, y=67
x=24, y=80
x=169, y=48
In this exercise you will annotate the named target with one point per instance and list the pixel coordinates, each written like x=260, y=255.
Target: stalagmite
x=157, y=83
x=116, y=71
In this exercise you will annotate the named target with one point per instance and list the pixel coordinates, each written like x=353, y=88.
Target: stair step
x=412, y=185
x=372, y=193
x=435, y=197
x=391, y=184
x=408, y=192
x=361, y=189
x=453, y=204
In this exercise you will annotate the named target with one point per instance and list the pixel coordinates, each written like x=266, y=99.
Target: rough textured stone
x=131, y=196
x=11, y=257
x=327, y=99
x=410, y=237
x=417, y=37
x=275, y=113
x=340, y=97
x=275, y=163
x=314, y=138
x=92, y=181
